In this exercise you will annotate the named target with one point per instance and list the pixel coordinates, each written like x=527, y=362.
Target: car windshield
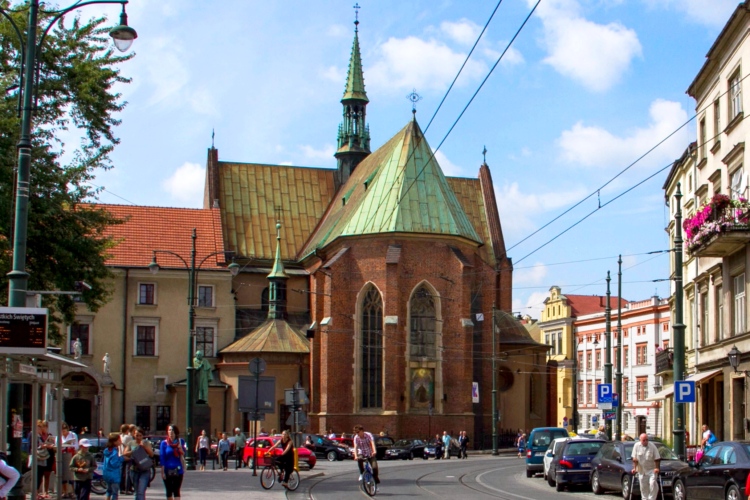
x=403, y=442
x=629, y=450
x=544, y=438
x=584, y=448
x=666, y=453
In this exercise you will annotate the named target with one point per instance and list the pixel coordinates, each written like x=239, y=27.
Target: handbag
x=173, y=472
x=42, y=454
x=141, y=461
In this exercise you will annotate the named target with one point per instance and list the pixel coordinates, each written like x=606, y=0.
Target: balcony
x=664, y=361
x=719, y=228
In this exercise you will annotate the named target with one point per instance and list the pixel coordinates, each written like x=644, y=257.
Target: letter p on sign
x=684, y=391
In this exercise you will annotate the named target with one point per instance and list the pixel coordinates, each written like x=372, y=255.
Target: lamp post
x=575, y=383
x=192, y=282
x=123, y=37
x=608, y=348
x=494, y=388
x=678, y=329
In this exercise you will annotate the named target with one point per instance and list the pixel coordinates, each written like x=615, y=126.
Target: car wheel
x=733, y=493
x=627, y=482
x=411, y=455
x=550, y=481
x=678, y=490
x=596, y=487
x=559, y=486
x=528, y=473
x=332, y=456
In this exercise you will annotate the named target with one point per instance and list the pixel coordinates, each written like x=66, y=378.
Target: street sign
x=605, y=406
x=23, y=330
x=292, y=399
x=266, y=394
x=594, y=418
x=257, y=366
x=608, y=415
x=475, y=391
x=604, y=393
x=684, y=391
x=615, y=400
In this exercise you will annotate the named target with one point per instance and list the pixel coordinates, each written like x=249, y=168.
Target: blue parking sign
x=684, y=391
x=604, y=393
x=615, y=400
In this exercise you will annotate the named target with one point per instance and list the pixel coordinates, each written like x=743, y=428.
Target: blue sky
x=586, y=89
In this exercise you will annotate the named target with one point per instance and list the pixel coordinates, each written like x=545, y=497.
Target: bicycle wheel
x=293, y=483
x=368, y=484
x=267, y=477
x=99, y=486
x=151, y=474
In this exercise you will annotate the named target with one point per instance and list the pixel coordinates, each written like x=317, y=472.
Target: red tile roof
x=157, y=228
x=582, y=305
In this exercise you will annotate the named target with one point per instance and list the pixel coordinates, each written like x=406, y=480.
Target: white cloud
x=338, y=31
x=592, y=146
x=186, y=183
x=518, y=209
x=531, y=305
x=512, y=56
x=334, y=74
x=406, y=63
x=713, y=13
x=463, y=31
x=324, y=154
x=530, y=275
x=595, y=55
x=448, y=167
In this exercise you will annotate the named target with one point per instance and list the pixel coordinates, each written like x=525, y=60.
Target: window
x=665, y=327
x=423, y=322
x=81, y=332
x=145, y=342
x=205, y=296
x=589, y=355
x=598, y=360
x=717, y=121
x=704, y=318
x=143, y=417
x=737, y=184
x=626, y=389
x=204, y=341
x=580, y=360
x=559, y=343
x=372, y=349
x=625, y=357
x=641, y=353
x=146, y=295
x=719, y=313
x=589, y=393
x=739, y=304
x=163, y=417
x=264, y=300
x=702, y=142
x=580, y=392
x=735, y=95
x=641, y=388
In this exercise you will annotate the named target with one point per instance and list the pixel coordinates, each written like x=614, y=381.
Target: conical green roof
x=355, y=80
x=399, y=188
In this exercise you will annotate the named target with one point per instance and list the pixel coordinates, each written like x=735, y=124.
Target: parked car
x=721, y=473
x=537, y=444
x=550, y=454
x=611, y=467
x=326, y=448
x=347, y=443
x=406, y=449
x=306, y=457
x=572, y=463
x=383, y=444
x=434, y=449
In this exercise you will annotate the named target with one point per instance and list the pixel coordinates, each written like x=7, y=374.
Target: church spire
x=353, y=141
x=277, y=279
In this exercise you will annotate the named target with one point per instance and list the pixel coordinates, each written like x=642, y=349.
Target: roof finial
x=213, y=134
x=278, y=230
x=356, y=17
x=484, y=154
x=414, y=98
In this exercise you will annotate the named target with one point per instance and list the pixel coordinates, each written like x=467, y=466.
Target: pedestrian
x=331, y=434
x=463, y=442
x=286, y=459
x=521, y=444
x=646, y=461
x=446, y=445
x=223, y=450
x=142, y=456
x=602, y=433
x=68, y=448
x=239, y=447
x=112, y=465
x=172, y=460
x=708, y=439
x=126, y=436
x=262, y=432
x=8, y=476
x=45, y=458
x=83, y=465
x=201, y=448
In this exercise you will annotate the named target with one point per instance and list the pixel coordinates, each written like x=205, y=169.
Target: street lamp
x=192, y=269
x=123, y=36
x=735, y=357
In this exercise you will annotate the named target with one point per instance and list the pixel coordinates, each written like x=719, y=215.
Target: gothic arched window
x=423, y=322
x=264, y=300
x=372, y=349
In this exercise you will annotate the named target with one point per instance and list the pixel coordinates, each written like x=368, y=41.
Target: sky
x=585, y=90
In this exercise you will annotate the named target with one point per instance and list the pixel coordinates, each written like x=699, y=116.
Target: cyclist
x=364, y=449
x=286, y=459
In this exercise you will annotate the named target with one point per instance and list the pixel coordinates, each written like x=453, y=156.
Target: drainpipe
x=124, y=341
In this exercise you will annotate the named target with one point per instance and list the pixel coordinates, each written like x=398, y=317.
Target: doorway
x=640, y=425
x=738, y=408
x=78, y=414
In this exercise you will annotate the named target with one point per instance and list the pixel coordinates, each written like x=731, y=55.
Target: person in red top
x=364, y=449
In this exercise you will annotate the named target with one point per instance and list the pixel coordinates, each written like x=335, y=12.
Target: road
x=480, y=477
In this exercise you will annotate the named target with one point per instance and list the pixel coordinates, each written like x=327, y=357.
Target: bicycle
x=270, y=472
x=368, y=481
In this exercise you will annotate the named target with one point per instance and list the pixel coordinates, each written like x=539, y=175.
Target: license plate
x=586, y=466
x=539, y=454
x=666, y=482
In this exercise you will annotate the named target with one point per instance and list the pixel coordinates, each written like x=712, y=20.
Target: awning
x=663, y=394
x=697, y=377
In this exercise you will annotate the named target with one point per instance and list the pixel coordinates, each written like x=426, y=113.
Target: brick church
x=380, y=291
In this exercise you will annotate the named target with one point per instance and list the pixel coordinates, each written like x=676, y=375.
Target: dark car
x=721, y=473
x=325, y=448
x=383, y=444
x=611, y=467
x=572, y=463
x=406, y=449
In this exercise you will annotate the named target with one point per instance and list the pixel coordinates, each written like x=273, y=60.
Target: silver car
x=550, y=453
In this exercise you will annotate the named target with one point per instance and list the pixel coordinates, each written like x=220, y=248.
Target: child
x=83, y=465
x=224, y=447
x=8, y=476
x=112, y=466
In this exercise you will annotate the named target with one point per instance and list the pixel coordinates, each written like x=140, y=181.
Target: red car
x=306, y=457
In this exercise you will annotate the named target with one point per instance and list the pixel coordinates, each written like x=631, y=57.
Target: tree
x=77, y=71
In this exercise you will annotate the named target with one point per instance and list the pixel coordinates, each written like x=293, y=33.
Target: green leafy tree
x=66, y=240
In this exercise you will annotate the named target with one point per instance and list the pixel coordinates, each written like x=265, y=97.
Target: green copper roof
x=278, y=271
x=355, y=81
x=399, y=188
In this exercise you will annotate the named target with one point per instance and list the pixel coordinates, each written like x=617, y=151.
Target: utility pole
x=678, y=330
x=608, y=348
x=575, y=382
x=619, y=367
x=494, y=388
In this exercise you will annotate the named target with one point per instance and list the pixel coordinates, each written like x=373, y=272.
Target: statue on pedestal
x=77, y=349
x=203, y=376
x=106, y=361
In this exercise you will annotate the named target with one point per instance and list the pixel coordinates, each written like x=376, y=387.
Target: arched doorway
x=80, y=409
x=78, y=413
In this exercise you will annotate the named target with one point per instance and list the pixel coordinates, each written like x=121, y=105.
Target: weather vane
x=356, y=16
x=484, y=154
x=414, y=98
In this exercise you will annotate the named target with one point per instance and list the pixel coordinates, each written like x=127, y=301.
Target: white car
x=550, y=453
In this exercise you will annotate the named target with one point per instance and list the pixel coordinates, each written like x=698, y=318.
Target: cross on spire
x=213, y=134
x=414, y=98
x=484, y=154
x=356, y=16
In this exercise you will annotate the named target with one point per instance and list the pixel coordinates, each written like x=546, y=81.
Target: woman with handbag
x=44, y=458
x=172, y=458
x=142, y=456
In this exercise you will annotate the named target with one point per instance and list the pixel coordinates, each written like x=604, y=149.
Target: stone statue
x=106, y=363
x=204, y=375
x=77, y=349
